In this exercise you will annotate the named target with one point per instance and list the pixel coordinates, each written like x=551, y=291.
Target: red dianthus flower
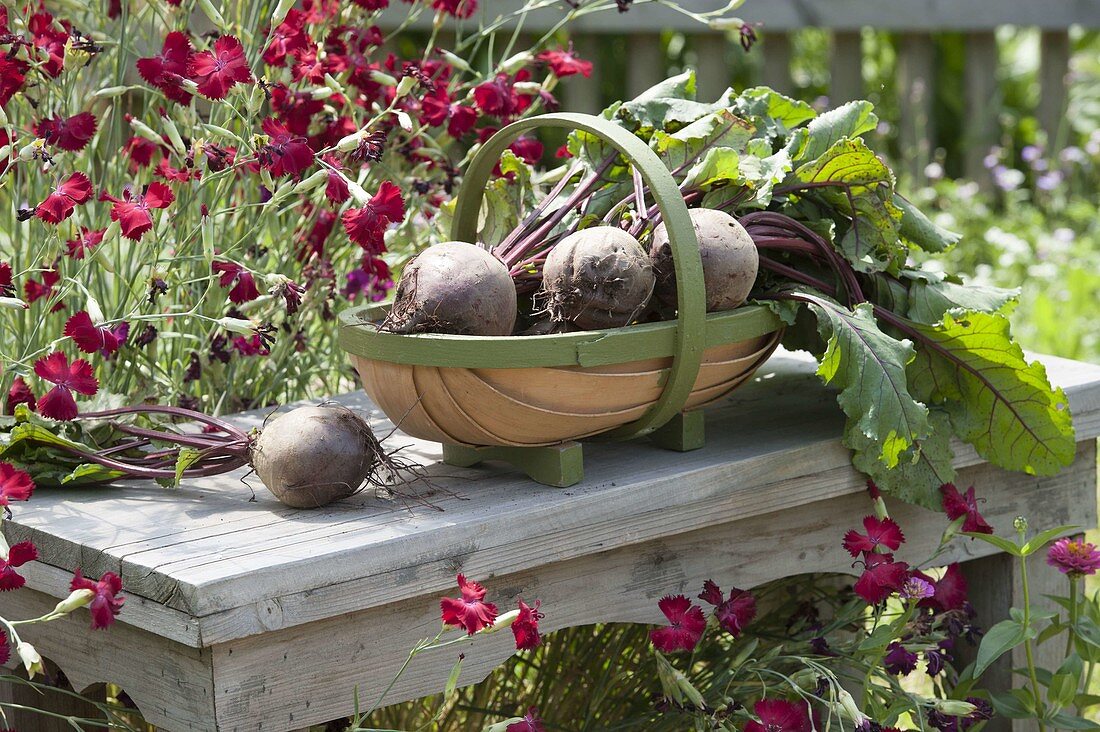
x=469, y=612
x=219, y=71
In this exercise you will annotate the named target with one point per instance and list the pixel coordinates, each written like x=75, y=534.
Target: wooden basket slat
x=528, y=407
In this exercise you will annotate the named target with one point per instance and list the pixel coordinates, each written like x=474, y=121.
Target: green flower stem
x=1028, y=651
x=1072, y=634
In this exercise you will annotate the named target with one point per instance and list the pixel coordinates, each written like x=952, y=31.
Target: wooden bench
x=243, y=614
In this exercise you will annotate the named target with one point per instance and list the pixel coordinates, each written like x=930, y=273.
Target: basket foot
x=556, y=465
x=684, y=432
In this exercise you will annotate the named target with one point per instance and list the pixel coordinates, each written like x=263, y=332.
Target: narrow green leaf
x=1041, y=539
x=1006, y=546
x=452, y=679
x=187, y=457
x=1061, y=720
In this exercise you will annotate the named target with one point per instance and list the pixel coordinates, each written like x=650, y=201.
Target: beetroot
x=454, y=287
x=597, y=278
x=729, y=256
x=312, y=456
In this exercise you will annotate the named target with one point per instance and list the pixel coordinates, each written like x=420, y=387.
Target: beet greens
x=917, y=355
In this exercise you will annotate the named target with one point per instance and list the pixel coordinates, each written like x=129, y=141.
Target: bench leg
x=994, y=587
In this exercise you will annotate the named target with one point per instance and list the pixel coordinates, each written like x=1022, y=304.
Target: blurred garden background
x=990, y=112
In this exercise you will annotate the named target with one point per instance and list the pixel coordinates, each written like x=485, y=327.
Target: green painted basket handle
x=691, y=303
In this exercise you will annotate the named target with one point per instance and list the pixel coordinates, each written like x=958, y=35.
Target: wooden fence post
x=1053, y=70
x=982, y=103
x=994, y=587
x=846, y=68
x=915, y=78
x=646, y=64
x=712, y=64
x=580, y=94
x=776, y=71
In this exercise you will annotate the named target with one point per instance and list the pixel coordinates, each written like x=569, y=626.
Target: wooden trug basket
x=528, y=399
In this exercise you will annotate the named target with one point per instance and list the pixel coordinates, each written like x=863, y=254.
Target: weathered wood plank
x=261, y=677
x=712, y=52
x=580, y=94
x=915, y=92
x=846, y=68
x=1054, y=46
x=646, y=64
x=790, y=15
x=776, y=69
x=983, y=102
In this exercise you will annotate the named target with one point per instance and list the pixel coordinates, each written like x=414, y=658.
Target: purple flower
x=1007, y=179
x=1031, y=153
x=899, y=661
x=1074, y=557
x=916, y=588
x=1049, y=181
x=937, y=659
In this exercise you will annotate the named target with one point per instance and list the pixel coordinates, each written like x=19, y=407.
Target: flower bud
x=212, y=13
x=28, y=152
x=725, y=24
x=174, y=136
x=361, y=196
x=848, y=707
x=333, y=84
x=404, y=119
x=954, y=707
x=13, y=303
x=502, y=622
x=321, y=92
x=5, y=153
x=112, y=232
x=317, y=179
x=348, y=143
x=503, y=725
x=515, y=63
x=280, y=13
x=100, y=253
x=405, y=86
x=3, y=118
x=189, y=85
x=94, y=311
x=144, y=130
x=76, y=600
x=381, y=77
x=527, y=87
x=1020, y=524
x=110, y=92
x=457, y=61
x=237, y=325
x=805, y=679
x=30, y=658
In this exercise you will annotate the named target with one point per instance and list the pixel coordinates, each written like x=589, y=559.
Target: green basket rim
x=358, y=335
x=689, y=325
